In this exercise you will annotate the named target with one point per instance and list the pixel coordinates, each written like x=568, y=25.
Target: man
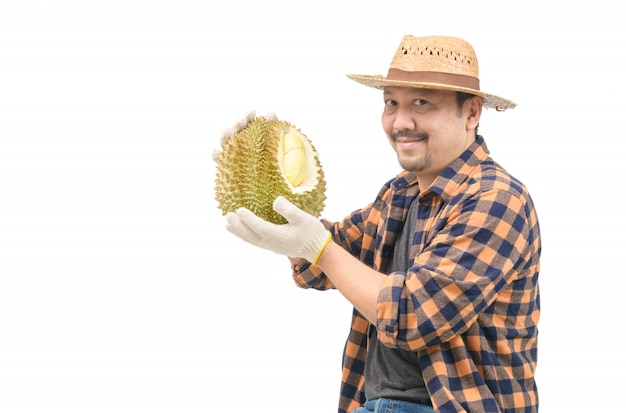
x=442, y=267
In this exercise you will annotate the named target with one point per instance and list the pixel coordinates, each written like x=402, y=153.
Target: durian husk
x=249, y=174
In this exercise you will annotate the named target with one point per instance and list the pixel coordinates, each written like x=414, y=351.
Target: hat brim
x=379, y=82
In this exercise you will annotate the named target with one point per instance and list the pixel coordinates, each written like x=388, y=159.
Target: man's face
x=427, y=129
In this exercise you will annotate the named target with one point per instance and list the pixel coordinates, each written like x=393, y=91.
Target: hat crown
x=435, y=62
x=442, y=54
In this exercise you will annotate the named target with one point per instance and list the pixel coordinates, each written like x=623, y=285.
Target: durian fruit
x=265, y=159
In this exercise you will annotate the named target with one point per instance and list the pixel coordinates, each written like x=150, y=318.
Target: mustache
x=405, y=134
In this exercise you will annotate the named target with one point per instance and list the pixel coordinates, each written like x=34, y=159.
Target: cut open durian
x=265, y=159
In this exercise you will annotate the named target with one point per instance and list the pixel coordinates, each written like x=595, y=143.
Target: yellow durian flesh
x=298, y=159
x=293, y=161
x=266, y=159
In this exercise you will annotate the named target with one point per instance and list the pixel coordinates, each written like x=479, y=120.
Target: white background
x=121, y=291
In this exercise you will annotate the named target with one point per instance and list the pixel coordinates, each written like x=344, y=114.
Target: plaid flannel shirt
x=469, y=303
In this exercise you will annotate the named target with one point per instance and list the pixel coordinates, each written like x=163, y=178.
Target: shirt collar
x=454, y=175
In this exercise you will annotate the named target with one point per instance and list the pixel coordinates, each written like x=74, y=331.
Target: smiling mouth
x=406, y=137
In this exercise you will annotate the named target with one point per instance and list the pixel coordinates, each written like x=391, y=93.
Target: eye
x=419, y=102
x=390, y=104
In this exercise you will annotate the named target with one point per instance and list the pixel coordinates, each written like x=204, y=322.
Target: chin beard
x=415, y=165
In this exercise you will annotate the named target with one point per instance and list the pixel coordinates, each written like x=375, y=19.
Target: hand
x=302, y=236
x=237, y=127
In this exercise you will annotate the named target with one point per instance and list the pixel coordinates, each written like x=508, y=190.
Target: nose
x=404, y=120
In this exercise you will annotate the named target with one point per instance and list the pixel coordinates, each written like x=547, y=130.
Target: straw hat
x=435, y=62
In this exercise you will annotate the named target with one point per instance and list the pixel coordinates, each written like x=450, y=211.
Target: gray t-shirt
x=395, y=373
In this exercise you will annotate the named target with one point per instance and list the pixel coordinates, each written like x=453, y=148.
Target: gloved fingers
x=239, y=125
x=288, y=210
x=247, y=118
x=271, y=116
x=236, y=226
x=255, y=224
x=216, y=154
x=226, y=135
x=250, y=115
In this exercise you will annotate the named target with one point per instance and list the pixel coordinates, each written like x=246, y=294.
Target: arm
x=357, y=282
x=307, y=237
x=348, y=235
x=479, y=264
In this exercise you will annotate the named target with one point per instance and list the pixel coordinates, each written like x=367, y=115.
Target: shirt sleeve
x=350, y=234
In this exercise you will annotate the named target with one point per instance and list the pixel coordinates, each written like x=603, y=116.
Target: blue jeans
x=392, y=406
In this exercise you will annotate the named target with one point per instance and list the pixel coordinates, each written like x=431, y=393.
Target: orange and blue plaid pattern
x=469, y=302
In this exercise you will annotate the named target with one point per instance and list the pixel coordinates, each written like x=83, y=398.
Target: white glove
x=238, y=126
x=302, y=236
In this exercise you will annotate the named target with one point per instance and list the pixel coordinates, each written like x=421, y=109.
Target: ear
x=473, y=108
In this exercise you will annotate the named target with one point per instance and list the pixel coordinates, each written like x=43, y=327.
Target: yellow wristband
x=324, y=245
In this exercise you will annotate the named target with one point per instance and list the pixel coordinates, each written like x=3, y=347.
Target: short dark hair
x=461, y=97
